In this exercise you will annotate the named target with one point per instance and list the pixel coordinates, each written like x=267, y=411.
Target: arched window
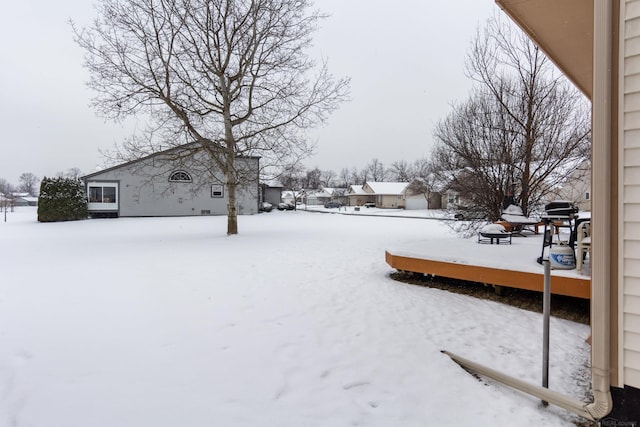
x=180, y=176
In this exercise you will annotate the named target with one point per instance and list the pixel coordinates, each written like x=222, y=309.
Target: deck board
x=579, y=287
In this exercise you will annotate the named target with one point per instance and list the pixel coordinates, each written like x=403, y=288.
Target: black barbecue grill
x=560, y=209
x=558, y=212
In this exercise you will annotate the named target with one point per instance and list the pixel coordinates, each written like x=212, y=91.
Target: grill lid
x=560, y=208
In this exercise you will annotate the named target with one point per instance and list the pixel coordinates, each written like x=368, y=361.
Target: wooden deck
x=579, y=287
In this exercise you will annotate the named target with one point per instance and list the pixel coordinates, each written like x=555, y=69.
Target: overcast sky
x=405, y=60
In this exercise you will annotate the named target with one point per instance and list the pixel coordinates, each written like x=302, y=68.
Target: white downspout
x=601, y=219
x=601, y=208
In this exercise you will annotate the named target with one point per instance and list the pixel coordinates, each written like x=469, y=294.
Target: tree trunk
x=232, y=210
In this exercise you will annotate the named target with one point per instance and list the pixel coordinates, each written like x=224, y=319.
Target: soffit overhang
x=563, y=29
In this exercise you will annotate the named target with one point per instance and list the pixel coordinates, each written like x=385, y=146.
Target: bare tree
x=5, y=186
x=422, y=168
x=359, y=177
x=423, y=179
x=73, y=173
x=375, y=170
x=7, y=198
x=400, y=171
x=28, y=183
x=231, y=77
x=346, y=178
x=473, y=157
x=312, y=180
x=522, y=124
x=293, y=178
x=327, y=178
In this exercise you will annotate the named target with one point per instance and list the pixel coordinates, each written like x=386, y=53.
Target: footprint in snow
x=355, y=384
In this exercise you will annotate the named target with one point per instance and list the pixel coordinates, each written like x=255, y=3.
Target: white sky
x=405, y=62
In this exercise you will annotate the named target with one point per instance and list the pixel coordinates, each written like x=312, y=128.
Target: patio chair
x=584, y=243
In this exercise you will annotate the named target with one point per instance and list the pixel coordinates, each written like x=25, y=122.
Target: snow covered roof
x=317, y=193
x=272, y=183
x=334, y=191
x=356, y=189
x=23, y=196
x=382, y=188
x=295, y=194
x=28, y=198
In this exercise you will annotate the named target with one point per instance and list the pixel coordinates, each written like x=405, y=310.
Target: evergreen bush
x=61, y=199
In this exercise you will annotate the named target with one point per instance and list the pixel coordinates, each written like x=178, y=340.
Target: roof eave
x=564, y=32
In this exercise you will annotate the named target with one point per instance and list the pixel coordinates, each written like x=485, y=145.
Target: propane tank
x=562, y=257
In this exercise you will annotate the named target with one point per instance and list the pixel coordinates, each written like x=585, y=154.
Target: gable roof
x=387, y=188
x=295, y=194
x=159, y=153
x=356, y=189
x=322, y=192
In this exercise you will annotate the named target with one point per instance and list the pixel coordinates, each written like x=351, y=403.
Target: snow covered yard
x=294, y=322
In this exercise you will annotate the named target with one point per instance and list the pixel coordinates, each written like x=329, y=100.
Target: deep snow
x=294, y=322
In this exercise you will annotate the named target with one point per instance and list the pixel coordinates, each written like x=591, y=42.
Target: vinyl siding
x=631, y=195
x=145, y=189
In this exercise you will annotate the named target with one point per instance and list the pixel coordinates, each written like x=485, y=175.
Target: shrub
x=61, y=199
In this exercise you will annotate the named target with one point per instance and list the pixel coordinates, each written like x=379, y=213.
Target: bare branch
x=231, y=76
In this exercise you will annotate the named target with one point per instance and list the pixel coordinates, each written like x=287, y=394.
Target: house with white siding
x=423, y=194
x=357, y=196
x=573, y=185
x=175, y=182
x=386, y=194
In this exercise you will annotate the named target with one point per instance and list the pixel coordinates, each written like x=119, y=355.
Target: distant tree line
x=29, y=184
x=299, y=177
x=8, y=192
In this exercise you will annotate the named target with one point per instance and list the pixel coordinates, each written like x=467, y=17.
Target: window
x=180, y=176
x=95, y=194
x=217, y=190
x=103, y=193
x=587, y=196
x=108, y=194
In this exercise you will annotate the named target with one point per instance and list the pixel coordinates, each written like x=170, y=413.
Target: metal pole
x=546, y=314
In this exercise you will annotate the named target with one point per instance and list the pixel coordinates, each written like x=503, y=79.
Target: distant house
x=24, y=199
x=356, y=196
x=174, y=182
x=387, y=194
x=317, y=197
x=382, y=194
x=339, y=195
x=422, y=195
x=450, y=199
x=574, y=186
x=326, y=194
x=271, y=193
x=294, y=197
